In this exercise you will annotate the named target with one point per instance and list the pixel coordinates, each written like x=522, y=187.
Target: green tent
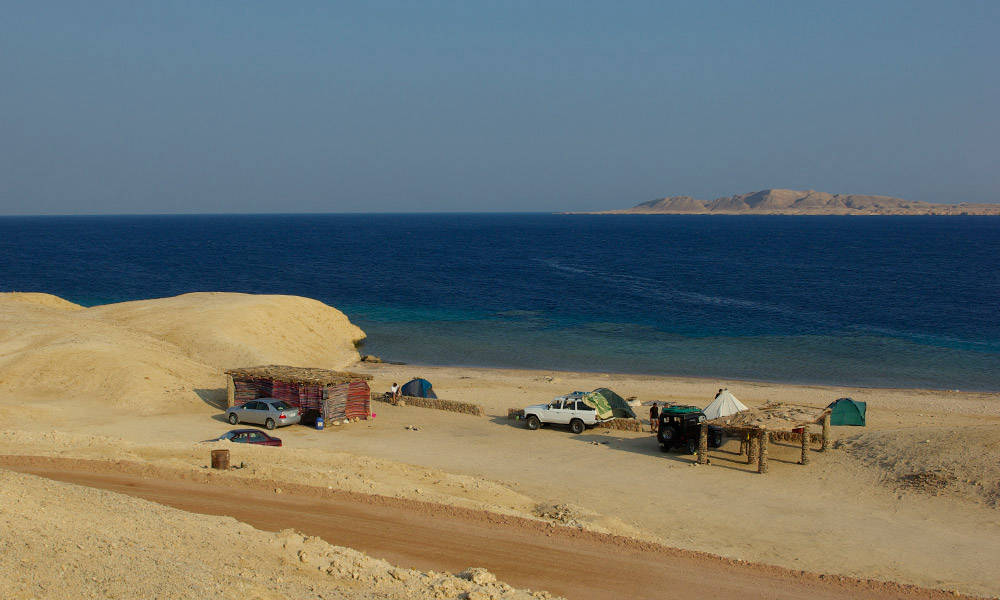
x=619, y=407
x=845, y=411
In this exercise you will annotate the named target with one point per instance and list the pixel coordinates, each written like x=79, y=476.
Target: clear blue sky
x=139, y=107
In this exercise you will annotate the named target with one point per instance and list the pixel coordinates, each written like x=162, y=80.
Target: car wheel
x=668, y=435
x=533, y=423
x=577, y=426
x=269, y=423
x=692, y=446
x=233, y=419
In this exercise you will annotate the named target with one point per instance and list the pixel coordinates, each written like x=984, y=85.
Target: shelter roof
x=774, y=416
x=298, y=374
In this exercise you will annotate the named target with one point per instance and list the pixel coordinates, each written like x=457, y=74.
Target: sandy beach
x=911, y=498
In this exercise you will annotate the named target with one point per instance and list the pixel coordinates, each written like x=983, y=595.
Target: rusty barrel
x=220, y=459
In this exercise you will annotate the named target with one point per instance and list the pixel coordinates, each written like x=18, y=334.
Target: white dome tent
x=725, y=404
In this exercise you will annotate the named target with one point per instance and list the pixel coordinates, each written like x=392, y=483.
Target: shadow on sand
x=215, y=398
x=726, y=457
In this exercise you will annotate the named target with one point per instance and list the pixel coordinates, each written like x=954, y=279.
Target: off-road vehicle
x=565, y=410
x=679, y=427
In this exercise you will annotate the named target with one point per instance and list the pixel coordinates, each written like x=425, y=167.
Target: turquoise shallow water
x=520, y=341
x=881, y=301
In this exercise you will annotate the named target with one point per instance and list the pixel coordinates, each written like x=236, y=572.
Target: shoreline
x=675, y=377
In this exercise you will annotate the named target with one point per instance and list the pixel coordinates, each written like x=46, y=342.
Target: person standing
x=654, y=414
x=395, y=392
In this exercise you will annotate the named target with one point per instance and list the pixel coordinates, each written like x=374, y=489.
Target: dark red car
x=248, y=436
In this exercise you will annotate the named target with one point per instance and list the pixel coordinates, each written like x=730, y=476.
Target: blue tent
x=417, y=388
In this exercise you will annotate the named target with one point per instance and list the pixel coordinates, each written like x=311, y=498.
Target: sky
x=253, y=107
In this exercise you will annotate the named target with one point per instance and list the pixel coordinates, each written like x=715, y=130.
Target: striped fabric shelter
x=335, y=395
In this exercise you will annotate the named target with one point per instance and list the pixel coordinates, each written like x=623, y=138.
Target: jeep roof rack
x=679, y=409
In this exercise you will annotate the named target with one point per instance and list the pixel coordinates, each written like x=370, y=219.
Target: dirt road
x=525, y=553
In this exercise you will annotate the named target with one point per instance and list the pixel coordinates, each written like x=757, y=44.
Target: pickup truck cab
x=565, y=410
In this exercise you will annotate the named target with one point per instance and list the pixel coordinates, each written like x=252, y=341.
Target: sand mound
x=157, y=355
x=228, y=330
x=39, y=299
x=933, y=460
x=65, y=541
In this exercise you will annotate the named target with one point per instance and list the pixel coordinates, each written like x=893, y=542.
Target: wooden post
x=703, y=444
x=753, y=444
x=826, y=433
x=230, y=392
x=805, y=446
x=762, y=458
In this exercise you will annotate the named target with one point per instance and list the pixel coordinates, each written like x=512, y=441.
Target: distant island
x=794, y=202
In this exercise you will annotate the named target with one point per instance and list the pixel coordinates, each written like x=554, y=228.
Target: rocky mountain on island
x=809, y=202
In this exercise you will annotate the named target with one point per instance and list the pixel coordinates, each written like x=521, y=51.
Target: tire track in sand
x=523, y=552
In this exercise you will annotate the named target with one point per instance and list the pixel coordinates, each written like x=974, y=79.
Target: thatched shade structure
x=334, y=395
x=774, y=416
x=759, y=423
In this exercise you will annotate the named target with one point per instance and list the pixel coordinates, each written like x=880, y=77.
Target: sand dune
x=39, y=299
x=228, y=330
x=153, y=355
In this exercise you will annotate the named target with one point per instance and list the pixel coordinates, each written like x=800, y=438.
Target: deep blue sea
x=870, y=301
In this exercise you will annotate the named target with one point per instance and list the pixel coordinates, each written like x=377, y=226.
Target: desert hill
x=151, y=354
x=809, y=202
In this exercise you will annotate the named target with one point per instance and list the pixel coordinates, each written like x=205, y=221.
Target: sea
x=860, y=301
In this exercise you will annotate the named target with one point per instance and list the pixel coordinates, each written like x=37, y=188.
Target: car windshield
x=280, y=405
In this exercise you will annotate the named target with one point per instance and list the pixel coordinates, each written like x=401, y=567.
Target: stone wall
x=457, y=406
x=623, y=425
x=790, y=436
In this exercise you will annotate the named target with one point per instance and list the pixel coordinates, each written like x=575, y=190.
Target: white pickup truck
x=565, y=410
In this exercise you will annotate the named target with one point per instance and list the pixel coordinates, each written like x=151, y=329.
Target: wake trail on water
x=646, y=287
x=650, y=288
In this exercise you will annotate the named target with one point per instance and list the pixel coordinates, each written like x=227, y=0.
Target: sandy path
x=426, y=536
